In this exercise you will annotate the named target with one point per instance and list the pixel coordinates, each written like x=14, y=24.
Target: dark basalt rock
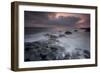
x=86, y=54
x=86, y=29
x=62, y=35
x=67, y=56
x=74, y=55
x=51, y=56
x=53, y=48
x=68, y=32
x=75, y=30
x=43, y=57
x=41, y=50
x=44, y=50
x=27, y=59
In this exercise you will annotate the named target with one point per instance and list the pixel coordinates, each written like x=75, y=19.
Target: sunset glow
x=59, y=20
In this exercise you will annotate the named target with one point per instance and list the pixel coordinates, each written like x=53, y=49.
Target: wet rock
x=43, y=57
x=68, y=32
x=86, y=29
x=51, y=56
x=75, y=30
x=74, y=55
x=62, y=35
x=54, y=49
x=45, y=51
x=86, y=54
x=51, y=50
x=67, y=56
x=27, y=59
x=35, y=57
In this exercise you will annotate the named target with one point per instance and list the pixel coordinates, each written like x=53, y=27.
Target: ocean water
x=57, y=46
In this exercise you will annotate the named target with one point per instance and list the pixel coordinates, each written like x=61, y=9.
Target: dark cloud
x=30, y=15
x=32, y=18
x=68, y=21
x=51, y=19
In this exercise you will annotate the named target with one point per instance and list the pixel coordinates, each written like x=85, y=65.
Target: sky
x=56, y=20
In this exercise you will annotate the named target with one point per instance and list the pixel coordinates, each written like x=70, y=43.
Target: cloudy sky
x=56, y=20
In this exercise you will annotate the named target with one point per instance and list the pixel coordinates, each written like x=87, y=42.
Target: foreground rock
x=43, y=50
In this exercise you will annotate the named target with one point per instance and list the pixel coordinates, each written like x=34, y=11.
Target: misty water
x=57, y=46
